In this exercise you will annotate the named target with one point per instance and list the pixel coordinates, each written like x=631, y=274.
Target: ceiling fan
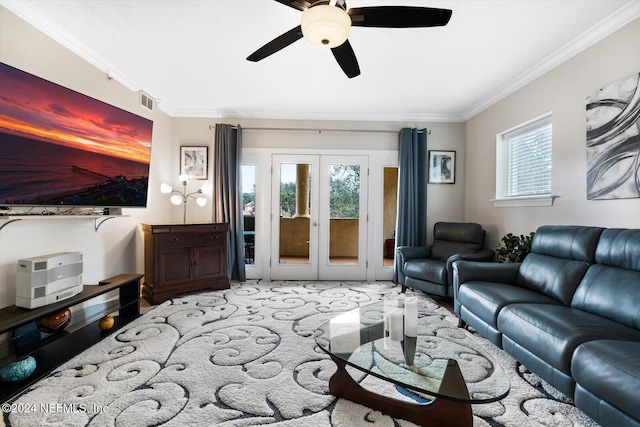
x=326, y=23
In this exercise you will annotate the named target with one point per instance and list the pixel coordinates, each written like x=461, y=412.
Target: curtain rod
x=211, y=127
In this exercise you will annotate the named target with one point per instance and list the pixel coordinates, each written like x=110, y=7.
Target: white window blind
x=529, y=159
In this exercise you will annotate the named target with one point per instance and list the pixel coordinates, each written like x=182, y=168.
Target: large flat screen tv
x=59, y=147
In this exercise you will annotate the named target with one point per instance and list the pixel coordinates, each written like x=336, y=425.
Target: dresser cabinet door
x=175, y=266
x=211, y=262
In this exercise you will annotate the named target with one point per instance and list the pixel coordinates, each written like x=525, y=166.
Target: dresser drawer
x=181, y=240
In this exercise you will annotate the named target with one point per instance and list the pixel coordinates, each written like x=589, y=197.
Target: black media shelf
x=55, y=349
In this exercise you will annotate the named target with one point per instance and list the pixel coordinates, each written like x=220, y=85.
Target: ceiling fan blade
x=346, y=59
x=399, y=16
x=300, y=5
x=276, y=44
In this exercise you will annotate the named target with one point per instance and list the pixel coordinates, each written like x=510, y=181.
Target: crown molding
x=298, y=115
x=604, y=28
x=607, y=26
x=173, y=112
x=41, y=22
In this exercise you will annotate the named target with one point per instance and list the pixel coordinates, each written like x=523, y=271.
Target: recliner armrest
x=411, y=252
x=404, y=254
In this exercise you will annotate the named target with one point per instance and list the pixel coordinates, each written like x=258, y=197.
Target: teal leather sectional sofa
x=570, y=312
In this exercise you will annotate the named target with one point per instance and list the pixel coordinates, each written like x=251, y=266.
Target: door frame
x=261, y=157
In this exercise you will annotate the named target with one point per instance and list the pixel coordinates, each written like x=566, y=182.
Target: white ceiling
x=190, y=55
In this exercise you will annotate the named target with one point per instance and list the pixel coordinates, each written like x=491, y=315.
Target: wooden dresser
x=183, y=257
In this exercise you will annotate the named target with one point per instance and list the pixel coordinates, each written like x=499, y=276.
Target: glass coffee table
x=443, y=364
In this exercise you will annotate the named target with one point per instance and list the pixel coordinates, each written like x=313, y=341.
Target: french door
x=319, y=217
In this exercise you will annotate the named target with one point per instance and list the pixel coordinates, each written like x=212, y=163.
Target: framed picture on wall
x=194, y=161
x=442, y=167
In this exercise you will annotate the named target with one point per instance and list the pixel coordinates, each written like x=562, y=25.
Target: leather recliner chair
x=430, y=268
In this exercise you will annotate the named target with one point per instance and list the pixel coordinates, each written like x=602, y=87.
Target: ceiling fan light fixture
x=325, y=26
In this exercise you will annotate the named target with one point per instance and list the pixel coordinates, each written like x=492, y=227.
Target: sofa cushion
x=461, y=232
x=431, y=270
x=610, y=292
x=559, y=258
x=619, y=248
x=552, y=332
x=554, y=277
x=610, y=370
x=567, y=241
x=451, y=238
x=442, y=250
x=486, y=300
x=611, y=288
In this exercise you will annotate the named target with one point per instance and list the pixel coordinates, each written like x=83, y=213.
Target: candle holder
x=409, y=349
x=410, y=329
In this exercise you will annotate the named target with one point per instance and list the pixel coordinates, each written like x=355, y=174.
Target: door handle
x=315, y=224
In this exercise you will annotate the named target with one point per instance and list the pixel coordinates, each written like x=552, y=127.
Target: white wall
x=445, y=202
x=117, y=246
x=561, y=91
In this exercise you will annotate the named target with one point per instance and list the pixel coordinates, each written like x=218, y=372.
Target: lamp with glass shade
x=325, y=25
x=181, y=197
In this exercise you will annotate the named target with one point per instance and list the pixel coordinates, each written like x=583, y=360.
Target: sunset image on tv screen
x=60, y=147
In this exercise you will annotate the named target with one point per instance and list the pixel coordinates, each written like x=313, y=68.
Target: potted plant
x=514, y=248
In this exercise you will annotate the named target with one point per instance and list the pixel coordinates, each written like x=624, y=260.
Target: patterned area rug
x=247, y=356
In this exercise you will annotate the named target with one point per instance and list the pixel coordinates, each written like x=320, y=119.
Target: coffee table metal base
x=439, y=412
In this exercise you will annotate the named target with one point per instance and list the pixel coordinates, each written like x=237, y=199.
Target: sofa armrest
x=466, y=271
x=404, y=254
x=486, y=255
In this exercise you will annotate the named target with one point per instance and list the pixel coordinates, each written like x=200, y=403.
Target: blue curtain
x=411, y=225
x=227, y=194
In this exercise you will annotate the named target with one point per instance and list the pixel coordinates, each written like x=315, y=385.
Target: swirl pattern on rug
x=247, y=356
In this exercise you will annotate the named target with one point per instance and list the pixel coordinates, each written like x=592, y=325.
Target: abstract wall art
x=613, y=141
x=194, y=162
x=442, y=167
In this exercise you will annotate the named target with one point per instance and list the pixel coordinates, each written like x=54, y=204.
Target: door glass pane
x=344, y=213
x=249, y=211
x=390, y=210
x=295, y=186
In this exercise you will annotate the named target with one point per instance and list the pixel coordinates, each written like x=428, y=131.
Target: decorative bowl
x=18, y=370
x=54, y=322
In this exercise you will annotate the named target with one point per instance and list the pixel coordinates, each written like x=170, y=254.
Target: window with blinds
x=528, y=158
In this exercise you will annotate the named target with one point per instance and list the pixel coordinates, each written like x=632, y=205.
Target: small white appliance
x=47, y=279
